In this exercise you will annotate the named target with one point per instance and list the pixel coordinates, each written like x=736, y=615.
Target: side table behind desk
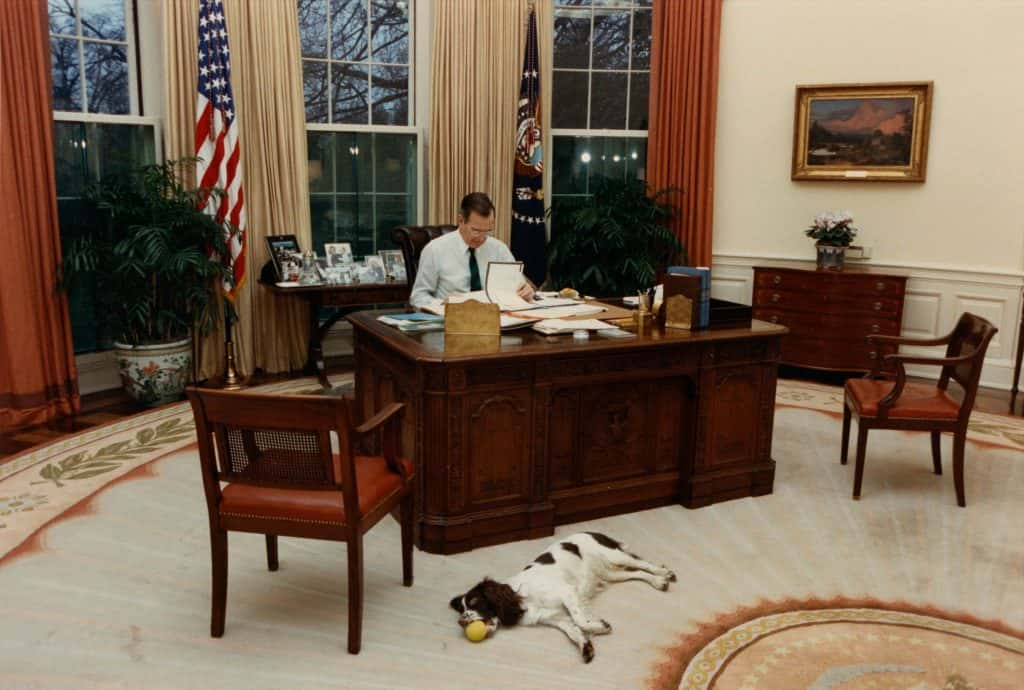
x=347, y=297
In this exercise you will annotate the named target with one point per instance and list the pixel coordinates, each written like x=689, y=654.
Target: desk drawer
x=827, y=325
x=834, y=303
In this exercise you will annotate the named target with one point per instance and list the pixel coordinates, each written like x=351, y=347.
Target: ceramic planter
x=155, y=374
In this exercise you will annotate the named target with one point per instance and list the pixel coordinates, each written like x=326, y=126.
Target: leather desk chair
x=412, y=239
x=268, y=468
x=883, y=404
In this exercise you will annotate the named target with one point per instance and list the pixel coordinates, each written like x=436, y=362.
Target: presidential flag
x=217, y=140
x=528, y=230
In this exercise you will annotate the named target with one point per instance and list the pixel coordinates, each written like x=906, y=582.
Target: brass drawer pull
x=774, y=319
x=776, y=279
x=875, y=328
x=877, y=306
x=872, y=355
x=879, y=286
x=776, y=297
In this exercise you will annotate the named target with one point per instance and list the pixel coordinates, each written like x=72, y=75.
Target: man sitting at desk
x=457, y=262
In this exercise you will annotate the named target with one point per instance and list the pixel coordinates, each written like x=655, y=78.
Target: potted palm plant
x=148, y=255
x=613, y=242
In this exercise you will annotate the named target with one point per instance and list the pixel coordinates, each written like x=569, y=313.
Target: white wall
x=970, y=211
x=960, y=234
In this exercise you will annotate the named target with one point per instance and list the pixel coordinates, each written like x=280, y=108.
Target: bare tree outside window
x=89, y=56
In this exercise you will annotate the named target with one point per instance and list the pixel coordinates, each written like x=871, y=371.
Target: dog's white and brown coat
x=556, y=589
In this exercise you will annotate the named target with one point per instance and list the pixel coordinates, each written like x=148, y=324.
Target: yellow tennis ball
x=476, y=631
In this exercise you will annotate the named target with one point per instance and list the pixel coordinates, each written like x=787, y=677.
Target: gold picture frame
x=862, y=132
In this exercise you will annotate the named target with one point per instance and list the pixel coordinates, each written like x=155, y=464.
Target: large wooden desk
x=513, y=437
x=355, y=295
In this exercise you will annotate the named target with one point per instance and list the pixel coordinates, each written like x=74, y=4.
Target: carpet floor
x=104, y=566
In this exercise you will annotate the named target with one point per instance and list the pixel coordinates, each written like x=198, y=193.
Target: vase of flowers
x=833, y=232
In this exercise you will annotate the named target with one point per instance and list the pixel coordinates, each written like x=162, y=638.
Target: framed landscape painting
x=872, y=132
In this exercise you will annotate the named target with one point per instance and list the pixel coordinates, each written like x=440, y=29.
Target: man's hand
x=525, y=291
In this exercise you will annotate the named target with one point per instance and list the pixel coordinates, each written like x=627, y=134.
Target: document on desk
x=562, y=312
x=504, y=279
x=556, y=326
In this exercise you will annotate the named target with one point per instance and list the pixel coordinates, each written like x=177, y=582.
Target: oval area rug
x=815, y=646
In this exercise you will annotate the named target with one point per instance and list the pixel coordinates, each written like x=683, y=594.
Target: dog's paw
x=671, y=575
x=588, y=652
x=605, y=629
x=661, y=583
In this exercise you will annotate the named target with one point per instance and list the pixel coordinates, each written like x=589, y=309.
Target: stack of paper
x=541, y=311
x=556, y=326
x=413, y=323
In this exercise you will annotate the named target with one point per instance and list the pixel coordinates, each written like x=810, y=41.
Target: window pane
x=349, y=92
x=572, y=40
x=106, y=78
x=611, y=40
x=573, y=3
x=608, y=100
x=314, y=88
x=62, y=17
x=64, y=68
x=395, y=162
x=641, y=39
x=639, y=87
x=569, y=96
x=353, y=222
x=390, y=31
x=313, y=28
x=103, y=19
x=571, y=160
x=393, y=210
x=85, y=153
x=390, y=95
x=320, y=150
x=348, y=30
x=354, y=152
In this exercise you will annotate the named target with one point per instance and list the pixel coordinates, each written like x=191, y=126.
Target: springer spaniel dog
x=556, y=589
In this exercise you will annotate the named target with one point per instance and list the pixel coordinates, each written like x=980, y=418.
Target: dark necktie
x=474, y=271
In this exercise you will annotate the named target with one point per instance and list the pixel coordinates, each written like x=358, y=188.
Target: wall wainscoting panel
x=936, y=296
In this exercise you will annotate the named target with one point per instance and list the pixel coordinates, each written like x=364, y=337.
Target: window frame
x=412, y=127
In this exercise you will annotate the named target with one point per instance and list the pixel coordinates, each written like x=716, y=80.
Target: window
x=361, y=140
x=91, y=56
x=602, y=62
x=97, y=129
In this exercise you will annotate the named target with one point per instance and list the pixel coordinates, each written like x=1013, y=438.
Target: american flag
x=217, y=138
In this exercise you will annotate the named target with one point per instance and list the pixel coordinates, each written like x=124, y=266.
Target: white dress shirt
x=444, y=266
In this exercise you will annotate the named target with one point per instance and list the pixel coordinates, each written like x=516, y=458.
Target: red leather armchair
x=268, y=468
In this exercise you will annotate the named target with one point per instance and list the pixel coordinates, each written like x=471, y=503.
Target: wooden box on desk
x=680, y=305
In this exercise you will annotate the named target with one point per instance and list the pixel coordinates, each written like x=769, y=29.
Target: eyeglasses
x=478, y=233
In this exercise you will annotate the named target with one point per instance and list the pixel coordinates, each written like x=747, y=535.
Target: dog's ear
x=456, y=603
x=506, y=602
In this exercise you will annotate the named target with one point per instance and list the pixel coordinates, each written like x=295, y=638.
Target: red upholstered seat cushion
x=374, y=481
x=918, y=401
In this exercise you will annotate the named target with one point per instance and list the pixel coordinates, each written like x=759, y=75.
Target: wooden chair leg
x=862, y=442
x=355, y=593
x=272, y=563
x=959, y=440
x=219, y=560
x=846, y=434
x=408, y=507
x=937, y=452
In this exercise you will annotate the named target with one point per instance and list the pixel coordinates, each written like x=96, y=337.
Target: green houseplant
x=614, y=241
x=147, y=252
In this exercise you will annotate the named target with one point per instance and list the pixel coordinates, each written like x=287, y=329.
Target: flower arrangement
x=833, y=228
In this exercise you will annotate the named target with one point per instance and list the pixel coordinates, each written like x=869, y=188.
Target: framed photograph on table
x=286, y=255
x=394, y=263
x=338, y=254
x=862, y=132
x=373, y=269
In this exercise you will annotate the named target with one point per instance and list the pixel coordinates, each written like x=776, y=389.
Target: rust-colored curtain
x=38, y=379
x=683, y=105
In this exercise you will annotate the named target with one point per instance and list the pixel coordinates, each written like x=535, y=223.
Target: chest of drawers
x=830, y=313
